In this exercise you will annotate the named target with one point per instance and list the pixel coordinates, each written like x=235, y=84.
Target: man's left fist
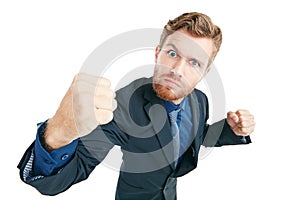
x=241, y=122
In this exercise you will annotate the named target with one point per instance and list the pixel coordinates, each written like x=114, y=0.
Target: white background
x=44, y=43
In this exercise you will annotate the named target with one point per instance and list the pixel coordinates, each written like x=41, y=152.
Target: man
x=159, y=123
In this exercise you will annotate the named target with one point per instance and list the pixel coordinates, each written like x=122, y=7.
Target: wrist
x=57, y=135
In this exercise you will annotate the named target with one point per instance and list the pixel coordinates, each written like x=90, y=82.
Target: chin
x=164, y=92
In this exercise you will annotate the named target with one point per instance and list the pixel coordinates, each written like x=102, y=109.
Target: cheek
x=164, y=62
x=161, y=69
x=192, y=77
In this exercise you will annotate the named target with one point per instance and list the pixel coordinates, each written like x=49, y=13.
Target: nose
x=179, y=67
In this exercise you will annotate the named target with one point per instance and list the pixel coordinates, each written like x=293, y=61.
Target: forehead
x=190, y=46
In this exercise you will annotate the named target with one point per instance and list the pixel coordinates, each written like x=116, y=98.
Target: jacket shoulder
x=132, y=86
x=201, y=96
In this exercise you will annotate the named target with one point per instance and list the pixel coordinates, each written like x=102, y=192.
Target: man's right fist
x=89, y=102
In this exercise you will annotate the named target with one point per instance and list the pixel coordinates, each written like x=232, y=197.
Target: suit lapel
x=195, y=112
x=160, y=123
x=199, y=109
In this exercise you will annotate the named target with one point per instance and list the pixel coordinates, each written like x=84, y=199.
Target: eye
x=172, y=53
x=194, y=63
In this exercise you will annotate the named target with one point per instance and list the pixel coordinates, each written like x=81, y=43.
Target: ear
x=157, y=50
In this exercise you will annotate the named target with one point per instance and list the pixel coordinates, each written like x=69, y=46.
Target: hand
x=89, y=102
x=241, y=122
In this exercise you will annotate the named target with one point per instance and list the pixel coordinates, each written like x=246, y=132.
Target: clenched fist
x=241, y=122
x=89, y=102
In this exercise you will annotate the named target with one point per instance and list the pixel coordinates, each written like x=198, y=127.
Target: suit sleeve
x=219, y=133
x=90, y=151
x=48, y=163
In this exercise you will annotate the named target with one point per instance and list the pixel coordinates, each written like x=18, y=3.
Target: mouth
x=171, y=83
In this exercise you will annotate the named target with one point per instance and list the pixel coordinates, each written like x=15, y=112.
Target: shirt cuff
x=48, y=163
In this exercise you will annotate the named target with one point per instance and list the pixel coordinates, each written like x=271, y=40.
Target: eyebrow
x=173, y=46
x=190, y=58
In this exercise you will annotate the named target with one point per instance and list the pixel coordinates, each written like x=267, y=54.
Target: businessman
x=159, y=122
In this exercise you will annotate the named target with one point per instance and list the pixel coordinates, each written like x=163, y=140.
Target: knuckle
x=242, y=112
x=238, y=112
x=242, y=118
x=243, y=123
x=229, y=113
x=104, y=93
x=105, y=104
x=108, y=97
x=104, y=82
x=114, y=104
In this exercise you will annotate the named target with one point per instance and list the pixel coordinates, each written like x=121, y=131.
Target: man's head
x=196, y=24
x=188, y=46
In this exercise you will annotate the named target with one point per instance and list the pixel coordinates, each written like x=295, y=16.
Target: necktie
x=186, y=129
x=175, y=134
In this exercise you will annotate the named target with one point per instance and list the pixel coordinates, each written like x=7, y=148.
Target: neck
x=177, y=101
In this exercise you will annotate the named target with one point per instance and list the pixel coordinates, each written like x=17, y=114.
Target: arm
x=49, y=163
x=90, y=151
x=88, y=103
x=233, y=130
x=220, y=134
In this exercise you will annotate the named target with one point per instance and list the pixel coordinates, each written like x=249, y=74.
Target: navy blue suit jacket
x=142, y=129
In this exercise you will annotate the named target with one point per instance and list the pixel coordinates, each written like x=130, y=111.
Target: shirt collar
x=170, y=106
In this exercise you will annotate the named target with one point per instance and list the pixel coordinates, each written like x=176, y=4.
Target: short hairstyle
x=196, y=24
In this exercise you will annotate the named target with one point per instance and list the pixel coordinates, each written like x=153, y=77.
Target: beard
x=169, y=92
x=164, y=93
